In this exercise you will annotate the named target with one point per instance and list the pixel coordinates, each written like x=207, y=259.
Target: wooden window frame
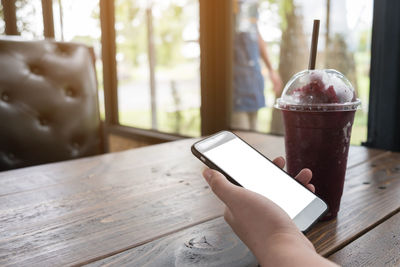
x=48, y=19
x=216, y=48
x=216, y=71
x=10, y=17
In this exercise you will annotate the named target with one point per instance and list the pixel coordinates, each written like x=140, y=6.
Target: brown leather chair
x=48, y=103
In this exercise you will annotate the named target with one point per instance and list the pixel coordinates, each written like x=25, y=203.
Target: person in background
x=249, y=47
x=263, y=226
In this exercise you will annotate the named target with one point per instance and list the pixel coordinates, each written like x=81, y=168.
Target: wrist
x=284, y=246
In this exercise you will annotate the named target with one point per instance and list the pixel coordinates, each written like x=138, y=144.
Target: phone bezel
x=304, y=220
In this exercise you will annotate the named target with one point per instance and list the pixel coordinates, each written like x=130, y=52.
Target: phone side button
x=202, y=158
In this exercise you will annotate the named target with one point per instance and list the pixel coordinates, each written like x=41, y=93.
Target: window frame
x=10, y=17
x=216, y=61
x=215, y=71
x=48, y=19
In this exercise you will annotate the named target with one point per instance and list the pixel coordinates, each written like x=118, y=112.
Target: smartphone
x=245, y=166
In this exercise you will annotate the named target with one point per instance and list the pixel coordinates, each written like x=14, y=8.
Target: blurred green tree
x=131, y=30
x=168, y=35
x=2, y=23
x=292, y=55
x=169, y=22
x=27, y=12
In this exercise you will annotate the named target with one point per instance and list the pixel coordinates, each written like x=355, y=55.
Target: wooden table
x=151, y=206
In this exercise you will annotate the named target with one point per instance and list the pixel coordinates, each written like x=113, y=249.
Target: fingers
x=280, y=162
x=304, y=176
x=220, y=186
x=311, y=187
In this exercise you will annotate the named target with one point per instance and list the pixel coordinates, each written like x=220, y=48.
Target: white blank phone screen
x=254, y=172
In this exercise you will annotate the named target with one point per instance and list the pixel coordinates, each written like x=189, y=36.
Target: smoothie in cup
x=318, y=109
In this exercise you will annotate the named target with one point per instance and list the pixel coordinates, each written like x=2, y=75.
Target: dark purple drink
x=318, y=111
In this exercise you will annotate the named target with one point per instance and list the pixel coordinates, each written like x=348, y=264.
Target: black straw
x=314, y=45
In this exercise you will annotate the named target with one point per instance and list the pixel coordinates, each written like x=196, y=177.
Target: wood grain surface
x=87, y=210
x=74, y=212
x=378, y=247
x=81, y=210
x=208, y=244
x=324, y=235
x=370, y=196
x=365, y=204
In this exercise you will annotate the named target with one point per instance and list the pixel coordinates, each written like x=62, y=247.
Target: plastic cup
x=318, y=109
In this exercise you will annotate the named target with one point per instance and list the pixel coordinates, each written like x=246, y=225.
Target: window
x=158, y=65
x=344, y=44
x=158, y=54
x=29, y=18
x=79, y=21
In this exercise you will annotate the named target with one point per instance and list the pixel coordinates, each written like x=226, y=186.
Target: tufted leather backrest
x=48, y=103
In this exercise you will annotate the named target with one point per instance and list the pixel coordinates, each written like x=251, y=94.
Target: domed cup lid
x=318, y=90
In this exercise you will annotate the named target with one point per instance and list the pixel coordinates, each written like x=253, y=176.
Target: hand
x=276, y=82
x=262, y=225
x=304, y=176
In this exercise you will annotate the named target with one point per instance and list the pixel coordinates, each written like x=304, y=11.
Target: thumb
x=220, y=186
